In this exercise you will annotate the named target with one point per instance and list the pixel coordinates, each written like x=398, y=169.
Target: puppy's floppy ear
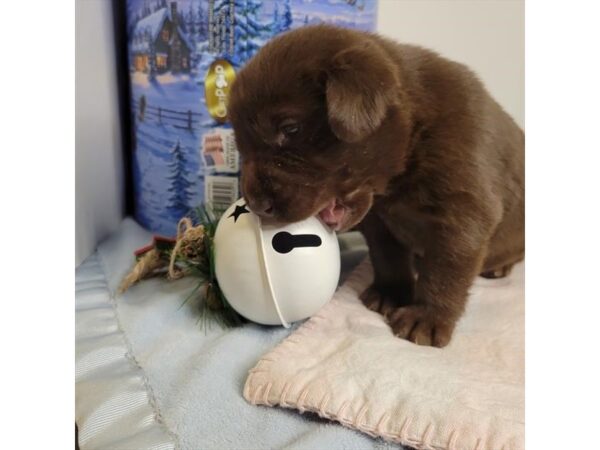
x=361, y=85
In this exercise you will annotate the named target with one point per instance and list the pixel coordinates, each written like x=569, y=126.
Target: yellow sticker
x=217, y=84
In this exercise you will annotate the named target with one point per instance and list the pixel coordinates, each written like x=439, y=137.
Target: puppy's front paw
x=381, y=301
x=420, y=325
x=372, y=298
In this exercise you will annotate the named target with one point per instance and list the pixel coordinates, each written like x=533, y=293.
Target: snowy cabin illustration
x=159, y=44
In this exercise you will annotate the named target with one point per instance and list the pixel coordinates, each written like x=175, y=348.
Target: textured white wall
x=99, y=187
x=486, y=35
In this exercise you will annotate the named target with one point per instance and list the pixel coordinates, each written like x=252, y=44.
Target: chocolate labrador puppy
x=398, y=141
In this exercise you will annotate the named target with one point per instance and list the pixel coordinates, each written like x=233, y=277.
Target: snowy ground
x=178, y=92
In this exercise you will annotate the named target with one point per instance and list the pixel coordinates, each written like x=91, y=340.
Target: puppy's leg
x=505, y=249
x=394, y=279
x=500, y=265
x=451, y=261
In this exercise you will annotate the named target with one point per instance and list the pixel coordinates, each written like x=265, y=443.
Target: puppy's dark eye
x=290, y=129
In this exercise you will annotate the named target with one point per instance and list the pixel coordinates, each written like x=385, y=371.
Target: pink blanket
x=345, y=365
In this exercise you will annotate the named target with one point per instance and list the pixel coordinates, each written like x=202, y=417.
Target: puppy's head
x=311, y=113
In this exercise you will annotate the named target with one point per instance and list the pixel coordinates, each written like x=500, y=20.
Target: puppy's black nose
x=263, y=208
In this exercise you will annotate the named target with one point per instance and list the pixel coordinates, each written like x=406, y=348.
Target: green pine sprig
x=214, y=307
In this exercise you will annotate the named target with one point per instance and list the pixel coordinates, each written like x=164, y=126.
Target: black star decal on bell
x=239, y=210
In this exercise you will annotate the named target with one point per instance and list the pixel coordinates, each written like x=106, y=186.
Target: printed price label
x=220, y=152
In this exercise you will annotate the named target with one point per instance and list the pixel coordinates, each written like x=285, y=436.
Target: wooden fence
x=186, y=120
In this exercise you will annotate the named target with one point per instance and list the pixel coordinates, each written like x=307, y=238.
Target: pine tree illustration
x=250, y=32
x=201, y=21
x=179, y=186
x=276, y=19
x=256, y=32
x=190, y=24
x=286, y=17
x=146, y=11
x=133, y=16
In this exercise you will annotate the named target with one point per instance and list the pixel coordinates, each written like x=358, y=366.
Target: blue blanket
x=149, y=377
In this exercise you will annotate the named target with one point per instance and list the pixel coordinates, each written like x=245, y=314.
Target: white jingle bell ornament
x=275, y=274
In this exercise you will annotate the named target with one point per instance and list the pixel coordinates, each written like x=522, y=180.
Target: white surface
x=99, y=186
x=269, y=287
x=486, y=35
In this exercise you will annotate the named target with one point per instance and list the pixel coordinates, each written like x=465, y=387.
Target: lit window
x=161, y=61
x=165, y=34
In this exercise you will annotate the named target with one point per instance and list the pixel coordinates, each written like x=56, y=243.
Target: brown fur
x=427, y=164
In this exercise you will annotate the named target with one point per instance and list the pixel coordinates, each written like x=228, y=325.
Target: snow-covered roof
x=151, y=26
x=140, y=45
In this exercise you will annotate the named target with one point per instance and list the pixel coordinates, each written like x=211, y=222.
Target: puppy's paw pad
x=419, y=325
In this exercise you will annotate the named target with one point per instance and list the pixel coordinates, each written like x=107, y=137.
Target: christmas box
x=183, y=56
